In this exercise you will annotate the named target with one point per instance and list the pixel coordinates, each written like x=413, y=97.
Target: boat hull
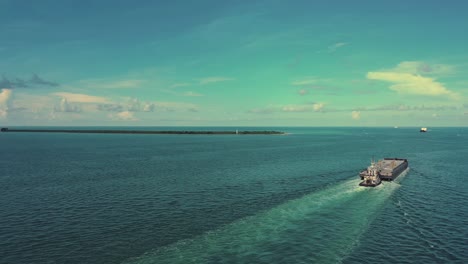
x=364, y=184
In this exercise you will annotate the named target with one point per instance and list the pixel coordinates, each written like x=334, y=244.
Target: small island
x=174, y=132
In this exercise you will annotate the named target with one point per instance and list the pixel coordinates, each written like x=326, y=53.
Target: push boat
x=387, y=169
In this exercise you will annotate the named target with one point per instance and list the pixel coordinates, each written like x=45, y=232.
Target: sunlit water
x=77, y=198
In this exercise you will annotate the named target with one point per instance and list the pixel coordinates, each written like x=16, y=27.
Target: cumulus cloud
x=314, y=107
x=406, y=78
x=209, y=80
x=420, y=67
x=66, y=107
x=124, y=116
x=110, y=107
x=318, y=107
x=296, y=108
x=406, y=83
x=81, y=98
x=149, y=107
x=33, y=103
x=356, y=115
x=135, y=105
x=5, y=96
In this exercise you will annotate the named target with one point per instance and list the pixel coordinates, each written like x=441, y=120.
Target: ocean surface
x=110, y=198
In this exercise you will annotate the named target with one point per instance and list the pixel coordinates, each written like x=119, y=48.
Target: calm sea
x=90, y=198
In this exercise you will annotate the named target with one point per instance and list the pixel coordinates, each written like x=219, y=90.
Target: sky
x=233, y=63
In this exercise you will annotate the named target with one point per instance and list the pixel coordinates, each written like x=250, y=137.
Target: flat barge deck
x=390, y=168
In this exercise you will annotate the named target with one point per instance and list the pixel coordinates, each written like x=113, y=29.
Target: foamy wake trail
x=321, y=227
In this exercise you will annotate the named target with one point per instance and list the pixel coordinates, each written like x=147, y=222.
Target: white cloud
x=420, y=67
x=81, y=98
x=135, y=105
x=66, y=107
x=27, y=106
x=148, y=107
x=356, y=115
x=34, y=103
x=124, y=116
x=209, y=80
x=318, y=107
x=5, y=96
x=407, y=78
x=132, y=105
x=296, y=108
x=407, y=83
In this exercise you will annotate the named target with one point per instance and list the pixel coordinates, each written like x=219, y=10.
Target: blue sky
x=236, y=63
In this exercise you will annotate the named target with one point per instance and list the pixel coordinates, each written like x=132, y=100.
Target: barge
x=387, y=169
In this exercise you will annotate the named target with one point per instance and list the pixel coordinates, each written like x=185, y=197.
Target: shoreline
x=166, y=132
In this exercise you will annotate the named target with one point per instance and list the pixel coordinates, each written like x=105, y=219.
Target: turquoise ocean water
x=90, y=198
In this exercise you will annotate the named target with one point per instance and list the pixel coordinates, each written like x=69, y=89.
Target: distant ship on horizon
x=423, y=129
